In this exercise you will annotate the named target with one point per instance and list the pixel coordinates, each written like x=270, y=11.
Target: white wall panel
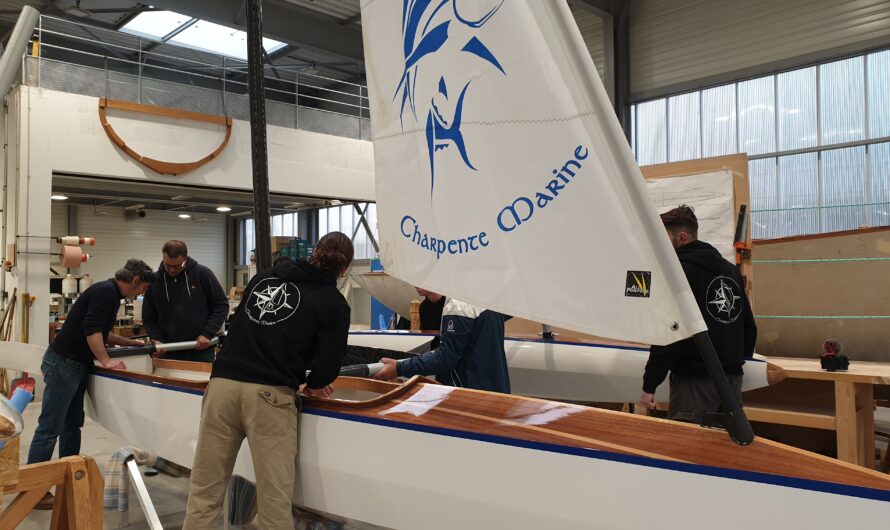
x=118, y=239
x=682, y=44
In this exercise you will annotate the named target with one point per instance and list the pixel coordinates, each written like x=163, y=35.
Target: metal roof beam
x=285, y=23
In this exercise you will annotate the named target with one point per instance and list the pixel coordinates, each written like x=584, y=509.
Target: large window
x=818, y=139
x=343, y=218
x=346, y=219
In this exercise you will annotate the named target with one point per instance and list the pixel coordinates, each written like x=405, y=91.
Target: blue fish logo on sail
x=425, y=31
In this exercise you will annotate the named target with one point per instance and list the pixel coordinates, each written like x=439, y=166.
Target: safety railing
x=73, y=57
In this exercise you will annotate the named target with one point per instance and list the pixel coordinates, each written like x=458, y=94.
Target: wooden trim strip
x=826, y=235
x=164, y=168
x=189, y=366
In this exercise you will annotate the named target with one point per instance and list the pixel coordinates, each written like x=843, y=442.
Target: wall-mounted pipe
x=11, y=60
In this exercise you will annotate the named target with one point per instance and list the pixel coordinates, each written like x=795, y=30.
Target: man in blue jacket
x=471, y=354
x=187, y=303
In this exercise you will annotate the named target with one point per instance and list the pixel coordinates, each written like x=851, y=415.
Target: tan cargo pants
x=267, y=416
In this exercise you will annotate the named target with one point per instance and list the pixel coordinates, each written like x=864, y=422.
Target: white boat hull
x=396, y=475
x=566, y=371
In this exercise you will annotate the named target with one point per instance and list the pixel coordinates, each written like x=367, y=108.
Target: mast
x=259, y=156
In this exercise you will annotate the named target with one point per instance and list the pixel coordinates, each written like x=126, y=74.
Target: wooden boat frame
x=164, y=168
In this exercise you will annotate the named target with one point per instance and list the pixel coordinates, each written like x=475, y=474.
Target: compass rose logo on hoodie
x=724, y=299
x=273, y=300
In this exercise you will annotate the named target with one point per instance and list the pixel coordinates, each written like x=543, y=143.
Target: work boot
x=46, y=503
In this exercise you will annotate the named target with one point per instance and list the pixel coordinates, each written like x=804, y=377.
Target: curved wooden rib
x=389, y=391
x=165, y=168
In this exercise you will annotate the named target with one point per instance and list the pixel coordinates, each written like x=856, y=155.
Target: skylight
x=155, y=24
x=199, y=35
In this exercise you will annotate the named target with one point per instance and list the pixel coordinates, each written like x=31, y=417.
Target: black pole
x=736, y=421
x=257, y=94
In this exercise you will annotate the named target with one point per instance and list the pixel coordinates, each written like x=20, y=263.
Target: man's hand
x=134, y=342
x=111, y=364
x=319, y=392
x=159, y=347
x=202, y=343
x=388, y=371
x=648, y=400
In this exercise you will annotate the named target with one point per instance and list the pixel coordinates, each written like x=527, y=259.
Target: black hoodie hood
x=291, y=319
x=702, y=255
x=302, y=272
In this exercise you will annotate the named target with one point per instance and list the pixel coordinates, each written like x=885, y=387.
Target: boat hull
x=566, y=371
x=434, y=458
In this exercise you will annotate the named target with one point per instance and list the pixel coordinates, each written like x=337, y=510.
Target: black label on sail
x=638, y=283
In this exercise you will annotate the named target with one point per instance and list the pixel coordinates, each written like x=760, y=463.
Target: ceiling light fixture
x=223, y=209
x=179, y=197
x=58, y=197
x=242, y=214
x=134, y=207
x=185, y=216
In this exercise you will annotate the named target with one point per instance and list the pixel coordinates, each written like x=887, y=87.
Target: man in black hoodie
x=291, y=319
x=717, y=287
x=187, y=303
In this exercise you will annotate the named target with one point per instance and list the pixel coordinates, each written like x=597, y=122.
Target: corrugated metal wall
x=591, y=27
x=681, y=44
x=118, y=239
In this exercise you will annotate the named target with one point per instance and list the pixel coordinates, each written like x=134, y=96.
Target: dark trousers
x=61, y=412
x=693, y=398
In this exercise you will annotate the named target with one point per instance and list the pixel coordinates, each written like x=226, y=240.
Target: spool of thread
x=76, y=240
x=69, y=285
x=85, y=282
x=71, y=257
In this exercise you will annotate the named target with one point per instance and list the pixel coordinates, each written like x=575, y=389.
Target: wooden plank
x=174, y=364
x=38, y=475
x=77, y=491
x=168, y=112
x=874, y=373
x=785, y=416
x=59, y=519
x=808, y=237
x=19, y=508
x=845, y=416
x=97, y=485
x=865, y=423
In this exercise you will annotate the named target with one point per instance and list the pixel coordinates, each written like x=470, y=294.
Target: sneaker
x=46, y=503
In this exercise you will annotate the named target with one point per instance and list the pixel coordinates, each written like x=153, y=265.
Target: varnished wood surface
x=578, y=426
x=175, y=364
x=164, y=168
x=570, y=425
x=157, y=379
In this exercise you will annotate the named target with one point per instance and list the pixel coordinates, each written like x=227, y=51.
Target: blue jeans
x=61, y=414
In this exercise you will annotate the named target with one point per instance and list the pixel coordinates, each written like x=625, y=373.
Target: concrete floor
x=169, y=494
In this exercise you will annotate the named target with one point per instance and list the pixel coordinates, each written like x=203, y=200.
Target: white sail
x=501, y=171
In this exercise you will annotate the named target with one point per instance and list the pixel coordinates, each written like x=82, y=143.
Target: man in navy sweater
x=186, y=304
x=471, y=353
x=68, y=360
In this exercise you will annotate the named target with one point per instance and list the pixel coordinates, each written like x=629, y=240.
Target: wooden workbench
x=839, y=401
